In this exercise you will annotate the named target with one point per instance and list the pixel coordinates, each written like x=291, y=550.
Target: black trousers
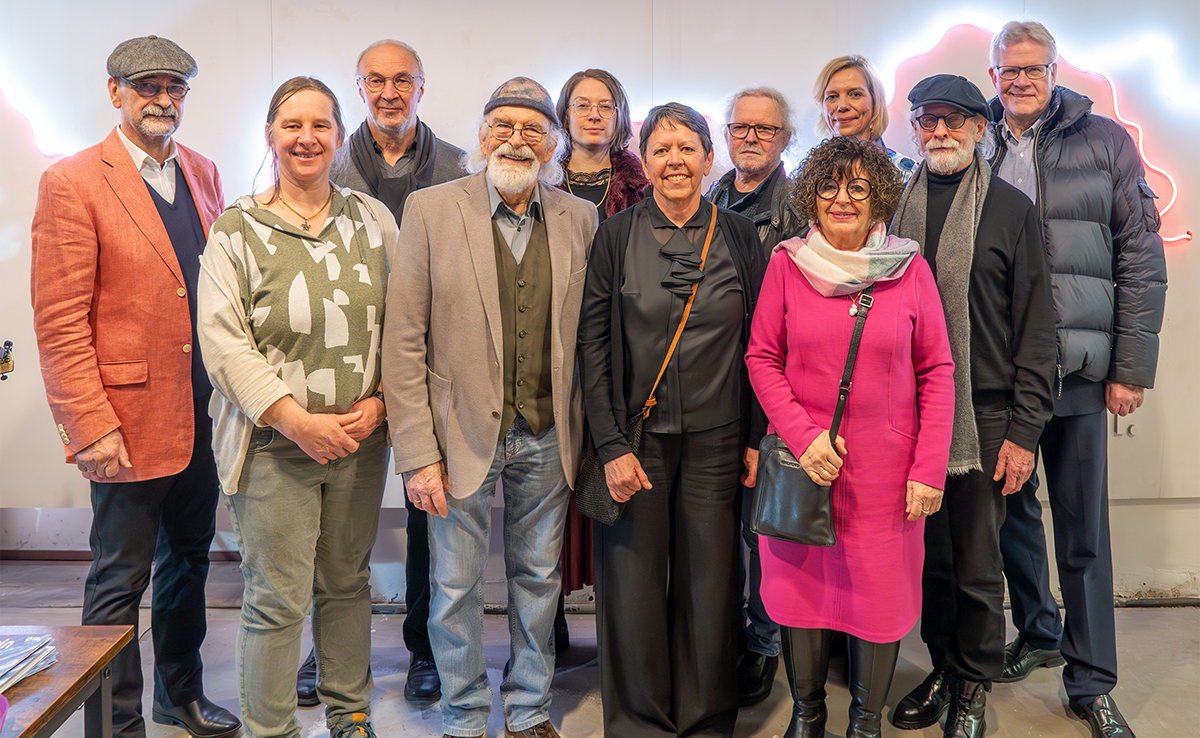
x=962, y=585
x=1075, y=457
x=167, y=522
x=416, y=582
x=666, y=615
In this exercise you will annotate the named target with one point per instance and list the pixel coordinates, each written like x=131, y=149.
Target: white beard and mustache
x=153, y=121
x=512, y=178
x=948, y=155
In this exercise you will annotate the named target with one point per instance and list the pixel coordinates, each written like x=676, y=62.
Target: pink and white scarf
x=833, y=272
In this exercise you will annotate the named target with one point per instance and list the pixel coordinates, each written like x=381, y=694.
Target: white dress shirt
x=160, y=177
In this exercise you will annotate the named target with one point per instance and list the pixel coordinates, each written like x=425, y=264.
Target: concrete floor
x=1159, y=650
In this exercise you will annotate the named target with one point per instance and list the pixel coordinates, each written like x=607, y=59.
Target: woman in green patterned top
x=291, y=304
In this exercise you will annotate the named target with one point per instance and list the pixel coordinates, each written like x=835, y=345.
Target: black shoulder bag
x=788, y=504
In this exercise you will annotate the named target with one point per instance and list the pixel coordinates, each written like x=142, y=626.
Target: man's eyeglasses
x=1033, y=71
x=857, y=188
x=175, y=90
x=763, y=132
x=504, y=131
x=954, y=121
x=583, y=108
x=376, y=82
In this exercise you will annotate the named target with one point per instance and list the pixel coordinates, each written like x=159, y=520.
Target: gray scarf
x=956, y=249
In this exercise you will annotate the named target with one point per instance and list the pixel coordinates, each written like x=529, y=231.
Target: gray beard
x=948, y=161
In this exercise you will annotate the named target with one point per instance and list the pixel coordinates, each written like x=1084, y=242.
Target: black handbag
x=591, y=487
x=788, y=504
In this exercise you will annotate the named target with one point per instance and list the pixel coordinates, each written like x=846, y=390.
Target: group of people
x=469, y=311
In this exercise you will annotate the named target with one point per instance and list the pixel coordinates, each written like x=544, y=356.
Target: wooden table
x=40, y=704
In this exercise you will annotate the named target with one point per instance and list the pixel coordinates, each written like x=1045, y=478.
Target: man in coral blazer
x=117, y=236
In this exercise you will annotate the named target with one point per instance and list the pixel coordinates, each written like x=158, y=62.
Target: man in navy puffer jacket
x=1109, y=279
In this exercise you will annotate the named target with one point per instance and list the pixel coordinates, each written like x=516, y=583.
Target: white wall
x=52, y=98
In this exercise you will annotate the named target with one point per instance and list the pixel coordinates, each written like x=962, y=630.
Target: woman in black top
x=666, y=622
x=594, y=109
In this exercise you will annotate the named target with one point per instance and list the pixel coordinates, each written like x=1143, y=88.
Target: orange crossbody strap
x=687, y=310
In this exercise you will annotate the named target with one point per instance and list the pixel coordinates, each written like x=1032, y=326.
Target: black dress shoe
x=306, y=682
x=925, y=705
x=1020, y=659
x=423, y=686
x=755, y=677
x=202, y=718
x=966, y=718
x=1103, y=717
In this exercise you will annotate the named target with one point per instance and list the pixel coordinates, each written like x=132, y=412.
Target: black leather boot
x=925, y=705
x=806, y=659
x=966, y=716
x=871, y=668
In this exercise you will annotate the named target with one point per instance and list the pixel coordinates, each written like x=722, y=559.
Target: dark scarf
x=393, y=191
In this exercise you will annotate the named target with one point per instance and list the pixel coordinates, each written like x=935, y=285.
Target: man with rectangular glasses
x=758, y=129
x=117, y=236
x=1109, y=274
x=479, y=383
x=981, y=238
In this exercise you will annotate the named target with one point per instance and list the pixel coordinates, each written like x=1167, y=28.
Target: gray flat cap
x=148, y=55
x=523, y=92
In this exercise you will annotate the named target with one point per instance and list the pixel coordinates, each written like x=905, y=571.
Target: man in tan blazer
x=479, y=383
x=117, y=236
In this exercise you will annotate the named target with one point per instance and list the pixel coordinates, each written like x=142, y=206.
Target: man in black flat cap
x=981, y=238
x=117, y=236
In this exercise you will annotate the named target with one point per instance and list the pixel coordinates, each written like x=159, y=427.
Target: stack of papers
x=21, y=657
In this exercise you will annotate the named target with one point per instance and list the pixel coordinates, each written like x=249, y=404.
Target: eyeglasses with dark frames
x=402, y=82
x=175, y=90
x=1033, y=71
x=583, y=108
x=857, y=189
x=502, y=131
x=954, y=121
x=763, y=132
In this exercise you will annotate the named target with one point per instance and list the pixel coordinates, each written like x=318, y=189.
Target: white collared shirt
x=160, y=177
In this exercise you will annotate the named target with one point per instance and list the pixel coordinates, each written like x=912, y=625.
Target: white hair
x=551, y=173
x=390, y=42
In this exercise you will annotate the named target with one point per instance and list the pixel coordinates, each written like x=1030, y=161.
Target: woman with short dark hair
x=887, y=465
x=665, y=571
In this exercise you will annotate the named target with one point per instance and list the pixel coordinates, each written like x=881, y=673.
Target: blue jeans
x=305, y=531
x=535, y=510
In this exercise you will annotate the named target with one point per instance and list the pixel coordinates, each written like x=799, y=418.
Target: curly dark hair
x=838, y=158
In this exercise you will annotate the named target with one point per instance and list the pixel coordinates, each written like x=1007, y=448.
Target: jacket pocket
x=117, y=373
x=1149, y=210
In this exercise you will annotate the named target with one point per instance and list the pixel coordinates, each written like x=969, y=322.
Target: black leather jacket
x=778, y=223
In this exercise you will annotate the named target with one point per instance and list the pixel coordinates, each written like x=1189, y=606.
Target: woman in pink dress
x=890, y=459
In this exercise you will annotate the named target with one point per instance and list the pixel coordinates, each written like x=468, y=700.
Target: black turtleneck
x=942, y=188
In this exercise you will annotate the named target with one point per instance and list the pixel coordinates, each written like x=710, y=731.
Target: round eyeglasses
x=504, y=131
x=857, y=188
x=175, y=91
x=762, y=132
x=583, y=108
x=375, y=83
x=954, y=121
